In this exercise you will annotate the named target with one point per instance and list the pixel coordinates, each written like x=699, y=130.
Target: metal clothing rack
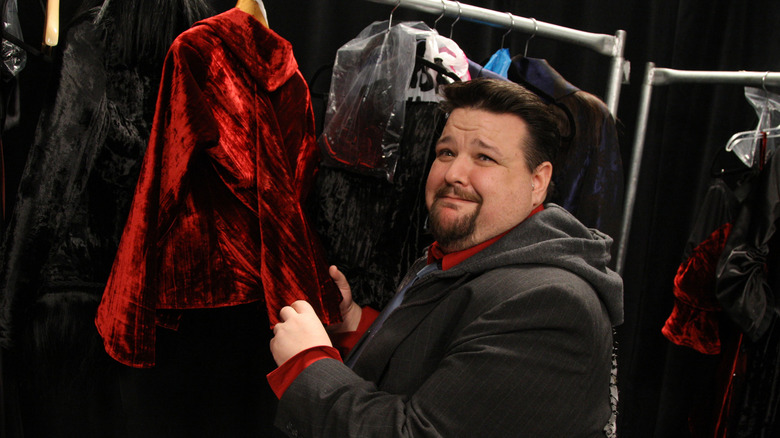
x=608, y=45
x=665, y=76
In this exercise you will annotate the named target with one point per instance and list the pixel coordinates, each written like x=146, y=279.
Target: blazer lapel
x=419, y=302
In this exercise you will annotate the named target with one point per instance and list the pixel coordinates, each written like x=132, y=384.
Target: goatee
x=453, y=234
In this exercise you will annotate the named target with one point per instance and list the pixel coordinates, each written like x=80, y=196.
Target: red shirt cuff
x=281, y=378
x=346, y=340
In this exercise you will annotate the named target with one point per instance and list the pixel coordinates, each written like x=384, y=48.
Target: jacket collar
x=541, y=78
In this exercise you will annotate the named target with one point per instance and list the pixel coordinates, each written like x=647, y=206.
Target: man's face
x=479, y=185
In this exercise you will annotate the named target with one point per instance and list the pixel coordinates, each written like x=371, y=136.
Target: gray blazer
x=496, y=346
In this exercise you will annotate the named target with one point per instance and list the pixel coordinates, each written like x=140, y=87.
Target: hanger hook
x=766, y=92
x=390, y=21
x=443, y=11
x=511, y=26
x=536, y=27
x=763, y=82
x=452, y=26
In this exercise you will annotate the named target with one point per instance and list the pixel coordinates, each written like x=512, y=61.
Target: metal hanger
x=536, y=27
x=443, y=11
x=390, y=21
x=511, y=26
x=452, y=26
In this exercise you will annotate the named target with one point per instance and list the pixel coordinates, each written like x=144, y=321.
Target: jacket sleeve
x=521, y=368
x=182, y=125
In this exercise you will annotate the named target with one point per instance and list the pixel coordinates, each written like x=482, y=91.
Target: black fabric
x=208, y=381
x=747, y=286
x=68, y=213
x=688, y=123
x=64, y=383
x=77, y=186
x=371, y=228
x=60, y=240
x=757, y=404
x=694, y=384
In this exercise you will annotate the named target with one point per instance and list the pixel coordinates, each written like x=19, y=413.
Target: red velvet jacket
x=217, y=216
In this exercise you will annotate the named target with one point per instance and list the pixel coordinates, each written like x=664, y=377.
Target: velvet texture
x=78, y=181
x=374, y=229
x=73, y=199
x=723, y=290
x=217, y=217
x=698, y=378
x=695, y=318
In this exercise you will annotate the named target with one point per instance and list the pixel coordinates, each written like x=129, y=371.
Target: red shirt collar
x=435, y=253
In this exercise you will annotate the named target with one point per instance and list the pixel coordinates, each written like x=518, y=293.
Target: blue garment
x=499, y=63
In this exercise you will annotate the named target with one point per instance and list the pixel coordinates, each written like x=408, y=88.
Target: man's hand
x=350, y=311
x=299, y=329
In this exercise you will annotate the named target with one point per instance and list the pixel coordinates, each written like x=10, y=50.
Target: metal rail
x=666, y=76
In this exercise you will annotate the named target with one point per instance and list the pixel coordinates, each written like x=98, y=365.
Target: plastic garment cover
x=439, y=61
x=14, y=58
x=373, y=76
x=447, y=51
x=754, y=147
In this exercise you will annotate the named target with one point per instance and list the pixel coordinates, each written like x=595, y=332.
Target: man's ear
x=541, y=180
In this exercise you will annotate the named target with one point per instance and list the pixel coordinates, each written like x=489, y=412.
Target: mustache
x=457, y=192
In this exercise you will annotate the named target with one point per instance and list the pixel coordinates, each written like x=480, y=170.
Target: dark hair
x=506, y=97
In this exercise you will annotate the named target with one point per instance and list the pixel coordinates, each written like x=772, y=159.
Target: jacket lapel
x=420, y=300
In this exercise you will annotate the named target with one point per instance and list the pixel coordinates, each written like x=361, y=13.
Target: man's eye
x=483, y=157
x=444, y=153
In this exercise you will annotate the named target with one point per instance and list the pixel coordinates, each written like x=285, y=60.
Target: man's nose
x=458, y=171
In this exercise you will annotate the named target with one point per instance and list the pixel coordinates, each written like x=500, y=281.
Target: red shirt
x=281, y=378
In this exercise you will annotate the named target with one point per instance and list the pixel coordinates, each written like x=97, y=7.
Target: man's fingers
x=287, y=312
x=338, y=277
x=301, y=306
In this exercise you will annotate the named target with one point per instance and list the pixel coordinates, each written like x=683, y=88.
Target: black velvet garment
x=72, y=202
x=77, y=185
x=372, y=229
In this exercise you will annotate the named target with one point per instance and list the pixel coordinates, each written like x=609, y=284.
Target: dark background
x=688, y=124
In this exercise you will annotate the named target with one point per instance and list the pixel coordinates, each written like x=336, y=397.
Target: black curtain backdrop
x=688, y=124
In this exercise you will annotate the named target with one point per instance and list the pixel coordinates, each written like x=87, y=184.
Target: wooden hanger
x=252, y=7
x=52, y=29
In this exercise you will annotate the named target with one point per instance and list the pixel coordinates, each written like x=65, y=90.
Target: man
x=507, y=332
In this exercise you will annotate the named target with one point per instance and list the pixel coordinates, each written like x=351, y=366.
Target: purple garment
x=588, y=171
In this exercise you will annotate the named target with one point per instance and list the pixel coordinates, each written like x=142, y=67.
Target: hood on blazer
x=245, y=37
x=554, y=237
